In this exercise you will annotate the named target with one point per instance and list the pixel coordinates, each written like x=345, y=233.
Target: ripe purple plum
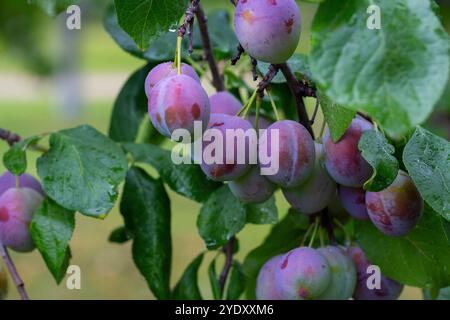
x=17, y=206
x=343, y=159
x=8, y=181
x=268, y=30
x=296, y=155
x=263, y=123
x=221, y=162
x=176, y=103
x=354, y=201
x=395, y=210
x=343, y=274
x=165, y=70
x=316, y=193
x=3, y=282
x=303, y=274
x=225, y=102
x=265, y=283
x=389, y=289
x=252, y=187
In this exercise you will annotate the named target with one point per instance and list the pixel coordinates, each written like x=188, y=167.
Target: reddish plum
x=354, y=201
x=265, y=283
x=225, y=102
x=8, y=181
x=252, y=187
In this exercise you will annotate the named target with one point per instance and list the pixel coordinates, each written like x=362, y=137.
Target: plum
x=354, y=201
x=3, y=282
x=389, y=289
x=395, y=210
x=225, y=102
x=8, y=180
x=220, y=161
x=296, y=155
x=268, y=30
x=165, y=70
x=176, y=103
x=17, y=206
x=252, y=187
x=343, y=159
x=265, y=283
x=343, y=274
x=303, y=274
x=316, y=193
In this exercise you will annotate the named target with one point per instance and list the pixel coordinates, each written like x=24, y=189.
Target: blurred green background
x=37, y=95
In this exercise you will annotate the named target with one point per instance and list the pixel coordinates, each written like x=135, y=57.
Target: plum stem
x=228, y=250
x=274, y=106
x=206, y=41
x=13, y=271
x=313, y=236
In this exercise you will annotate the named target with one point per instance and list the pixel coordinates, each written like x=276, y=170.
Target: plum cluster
x=20, y=197
x=326, y=273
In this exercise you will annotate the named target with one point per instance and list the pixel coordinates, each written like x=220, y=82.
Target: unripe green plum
x=224, y=102
x=354, y=201
x=343, y=159
x=176, y=103
x=3, y=282
x=268, y=30
x=252, y=187
x=389, y=289
x=316, y=193
x=303, y=274
x=8, y=181
x=343, y=274
x=265, y=283
x=17, y=206
x=165, y=70
x=295, y=148
x=395, y=210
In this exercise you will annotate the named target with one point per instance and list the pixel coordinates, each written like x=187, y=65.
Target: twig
x=316, y=110
x=268, y=77
x=254, y=66
x=217, y=78
x=188, y=23
x=13, y=271
x=238, y=54
x=299, y=91
x=9, y=137
x=228, y=250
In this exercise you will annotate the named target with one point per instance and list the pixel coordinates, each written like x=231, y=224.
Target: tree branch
x=13, y=271
x=267, y=79
x=228, y=250
x=299, y=90
x=217, y=78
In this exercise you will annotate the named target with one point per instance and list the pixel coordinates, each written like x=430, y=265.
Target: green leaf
x=420, y=259
x=15, y=159
x=144, y=20
x=236, y=284
x=120, y=235
x=264, y=213
x=145, y=207
x=299, y=64
x=223, y=38
x=377, y=151
x=284, y=236
x=337, y=117
x=187, y=287
x=53, y=7
x=427, y=158
x=395, y=74
x=185, y=179
x=51, y=230
x=130, y=108
x=82, y=170
x=214, y=280
x=221, y=217
x=157, y=49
